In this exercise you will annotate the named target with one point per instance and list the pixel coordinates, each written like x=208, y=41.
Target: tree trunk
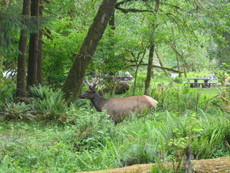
x=138, y=62
x=40, y=42
x=39, y=59
x=159, y=59
x=135, y=79
x=149, y=69
x=112, y=21
x=33, y=52
x=178, y=65
x=72, y=85
x=21, y=69
x=151, y=51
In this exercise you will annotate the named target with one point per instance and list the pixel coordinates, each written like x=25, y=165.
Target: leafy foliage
x=188, y=36
x=47, y=102
x=17, y=111
x=7, y=92
x=87, y=140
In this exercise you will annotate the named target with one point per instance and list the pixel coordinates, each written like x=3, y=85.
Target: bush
x=17, y=111
x=178, y=80
x=7, y=92
x=44, y=103
x=93, y=127
x=167, y=136
x=47, y=103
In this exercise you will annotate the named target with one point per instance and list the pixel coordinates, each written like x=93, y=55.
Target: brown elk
x=118, y=108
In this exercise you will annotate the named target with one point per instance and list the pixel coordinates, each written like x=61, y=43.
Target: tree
x=151, y=50
x=72, y=85
x=149, y=69
x=40, y=43
x=32, y=76
x=21, y=65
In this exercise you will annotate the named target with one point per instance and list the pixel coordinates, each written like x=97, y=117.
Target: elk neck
x=98, y=102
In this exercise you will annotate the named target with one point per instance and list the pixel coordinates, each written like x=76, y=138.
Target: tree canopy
x=187, y=35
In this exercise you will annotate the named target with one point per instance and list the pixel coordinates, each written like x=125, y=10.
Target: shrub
x=178, y=80
x=93, y=127
x=17, y=111
x=167, y=136
x=7, y=92
x=47, y=103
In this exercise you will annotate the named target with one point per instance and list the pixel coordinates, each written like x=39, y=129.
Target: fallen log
x=220, y=165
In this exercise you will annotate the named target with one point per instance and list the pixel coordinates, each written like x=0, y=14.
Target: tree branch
x=123, y=2
x=156, y=66
x=130, y=9
x=133, y=10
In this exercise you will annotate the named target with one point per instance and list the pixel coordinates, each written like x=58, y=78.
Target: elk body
x=119, y=108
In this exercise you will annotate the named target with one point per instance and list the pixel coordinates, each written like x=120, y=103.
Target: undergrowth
x=88, y=140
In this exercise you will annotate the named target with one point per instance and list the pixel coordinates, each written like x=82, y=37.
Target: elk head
x=89, y=94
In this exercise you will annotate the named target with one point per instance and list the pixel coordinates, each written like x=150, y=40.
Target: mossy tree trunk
x=40, y=43
x=149, y=69
x=33, y=46
x=21, y=68
x=151, y=50
x=73, y=83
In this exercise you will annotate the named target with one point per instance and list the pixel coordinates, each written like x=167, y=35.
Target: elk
x=118, y=108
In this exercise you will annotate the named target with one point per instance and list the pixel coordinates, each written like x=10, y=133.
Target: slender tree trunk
x=149, y=69
x=138, y=62
x=111, y=33
x=178, y=65
x=112, y=21
x=32, y=62
x=21, y=69
x=135, y=79
x=40, y=42
x=151, y=51
x=72, y=85
x=159, y=59
x=185, y=70
x=33, y=52
x=39, y=59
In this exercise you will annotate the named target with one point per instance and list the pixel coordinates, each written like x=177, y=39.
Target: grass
x=209, y=92
x=62, y=148
x=88, y=140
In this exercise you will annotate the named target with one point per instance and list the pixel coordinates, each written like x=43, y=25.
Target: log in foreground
x=218, y=165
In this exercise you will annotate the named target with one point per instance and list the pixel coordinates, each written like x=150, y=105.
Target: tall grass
x=163, y=137
x=92, y=142
x=88, y=140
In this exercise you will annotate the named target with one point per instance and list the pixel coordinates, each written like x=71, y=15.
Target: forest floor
x=218, y=165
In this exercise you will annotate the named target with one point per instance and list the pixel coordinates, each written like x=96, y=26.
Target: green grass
x=51, y=147
x=88, y=140
x=209, y=92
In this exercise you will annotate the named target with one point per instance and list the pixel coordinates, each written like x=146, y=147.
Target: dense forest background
x=42, y=41
x=50, y=50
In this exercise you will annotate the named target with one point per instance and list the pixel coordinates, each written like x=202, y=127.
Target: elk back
x=121, y=108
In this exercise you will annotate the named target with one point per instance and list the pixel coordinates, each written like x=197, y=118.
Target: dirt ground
x=218, y=165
